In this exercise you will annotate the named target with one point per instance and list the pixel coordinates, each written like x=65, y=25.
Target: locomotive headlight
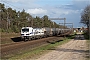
x=22, y=34
x=27, y=34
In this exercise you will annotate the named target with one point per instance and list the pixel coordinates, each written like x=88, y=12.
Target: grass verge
x=39, y=50
x=86, y=35
x=8, y=37
x=88, y=50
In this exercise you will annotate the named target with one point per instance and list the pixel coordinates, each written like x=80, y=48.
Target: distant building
x=79, y=29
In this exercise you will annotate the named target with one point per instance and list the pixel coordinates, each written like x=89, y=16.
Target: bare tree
x=85, y=16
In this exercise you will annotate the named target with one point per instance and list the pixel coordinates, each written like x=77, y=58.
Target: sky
x=69, y=9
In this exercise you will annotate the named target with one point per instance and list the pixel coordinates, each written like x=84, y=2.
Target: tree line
x=12, y=20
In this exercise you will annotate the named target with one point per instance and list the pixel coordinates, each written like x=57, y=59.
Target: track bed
x=9, y=50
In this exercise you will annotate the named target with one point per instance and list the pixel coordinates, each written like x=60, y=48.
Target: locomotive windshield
x=25, y=30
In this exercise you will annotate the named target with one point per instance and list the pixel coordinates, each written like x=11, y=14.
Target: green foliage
x=15, y=29
x=2, y=30
x=86, y=35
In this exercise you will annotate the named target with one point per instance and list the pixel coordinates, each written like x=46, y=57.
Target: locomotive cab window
x=25, y=30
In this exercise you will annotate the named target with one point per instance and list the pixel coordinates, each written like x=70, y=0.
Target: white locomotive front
x=27, y=32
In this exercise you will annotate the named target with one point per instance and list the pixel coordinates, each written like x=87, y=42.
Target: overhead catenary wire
x=5, y=2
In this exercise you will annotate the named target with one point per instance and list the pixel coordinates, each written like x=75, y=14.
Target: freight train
x=29, y=33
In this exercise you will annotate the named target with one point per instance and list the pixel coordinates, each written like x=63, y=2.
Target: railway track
x=9, y=50
x=15, y=48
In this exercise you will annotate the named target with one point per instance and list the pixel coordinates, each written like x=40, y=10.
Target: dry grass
x=6, y=37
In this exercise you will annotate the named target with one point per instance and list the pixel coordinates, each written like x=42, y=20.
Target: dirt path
x=73, y=50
